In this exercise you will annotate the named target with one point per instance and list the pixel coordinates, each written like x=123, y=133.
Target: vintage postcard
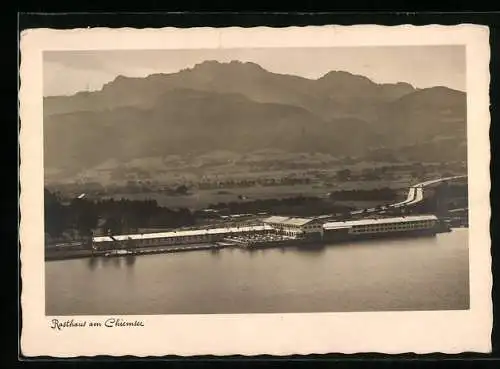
x=220, y=191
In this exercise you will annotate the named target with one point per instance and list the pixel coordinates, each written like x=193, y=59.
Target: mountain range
x=241, y=107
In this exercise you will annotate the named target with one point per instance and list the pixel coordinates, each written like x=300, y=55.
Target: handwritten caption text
x=106, y=323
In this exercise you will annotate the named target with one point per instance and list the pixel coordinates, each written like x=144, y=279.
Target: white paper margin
x=255, y=334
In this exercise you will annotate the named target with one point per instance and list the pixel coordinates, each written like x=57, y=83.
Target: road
x=416, y=192
x=415, y=195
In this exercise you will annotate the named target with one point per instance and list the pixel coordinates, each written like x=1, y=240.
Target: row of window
x=311, y=227
x=294, y=226
x=153, y=241
x=156, y=241
x=394, y=226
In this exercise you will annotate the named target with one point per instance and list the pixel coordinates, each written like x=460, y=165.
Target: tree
x=113, y=225
x=86, y=216
x=54, y=214
x=344, y=174
x=181, y=190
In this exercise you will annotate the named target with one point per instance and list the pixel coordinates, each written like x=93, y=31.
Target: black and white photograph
x=254, y=180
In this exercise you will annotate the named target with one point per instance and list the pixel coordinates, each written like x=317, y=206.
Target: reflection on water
x=92, y=263
x=403, y=274
x=117, y=261
x=130, y=260
x=314, y=250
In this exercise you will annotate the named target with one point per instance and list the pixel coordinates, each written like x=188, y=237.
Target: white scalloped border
x=257, y=334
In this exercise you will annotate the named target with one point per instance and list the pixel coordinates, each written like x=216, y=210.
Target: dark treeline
x=299, y=205
x=230, y=183
x=113, y=216
x=454, y=195
x=378, y=194
x=456, y=190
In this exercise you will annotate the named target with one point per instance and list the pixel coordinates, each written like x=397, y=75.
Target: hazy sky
x=67, y=72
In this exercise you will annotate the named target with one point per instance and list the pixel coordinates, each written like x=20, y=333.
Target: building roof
x=370, y=221
x=298, y=221
x=186, y=233
x=275, y=219
x=288, y=220
x=324, y=216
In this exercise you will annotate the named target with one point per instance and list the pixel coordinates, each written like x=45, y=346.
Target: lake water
x=384, y=275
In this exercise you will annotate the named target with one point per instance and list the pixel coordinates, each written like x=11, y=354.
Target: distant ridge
x=240, y=106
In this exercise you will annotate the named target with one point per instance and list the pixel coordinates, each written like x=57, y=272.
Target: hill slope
x=241, y=107
x=193, y=122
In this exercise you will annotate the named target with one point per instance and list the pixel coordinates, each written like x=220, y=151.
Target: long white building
x=179, y=237
x=312, y=229
x=386, y=226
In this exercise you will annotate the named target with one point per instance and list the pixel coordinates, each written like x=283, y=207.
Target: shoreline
x=83, y=254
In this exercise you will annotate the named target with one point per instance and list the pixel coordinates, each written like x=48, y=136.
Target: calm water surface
x=401, y=274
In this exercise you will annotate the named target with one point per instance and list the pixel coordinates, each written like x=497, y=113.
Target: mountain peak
x=118, y=80
x=400, y=84
x=437, y=92
x=441, y=89
x=344, y=75
x=337, y=73
x=215, y=64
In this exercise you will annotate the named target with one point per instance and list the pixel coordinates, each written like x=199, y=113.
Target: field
x=201, y=199
x=198, y=182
